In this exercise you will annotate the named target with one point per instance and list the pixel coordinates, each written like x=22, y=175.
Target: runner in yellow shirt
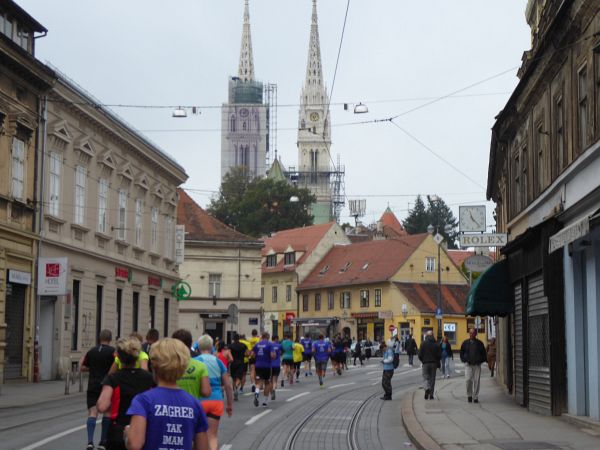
x=246, y=359
x=253, y=341
x=298, y=356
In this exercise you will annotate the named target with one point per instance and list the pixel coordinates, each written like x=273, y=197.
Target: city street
x=346, y=414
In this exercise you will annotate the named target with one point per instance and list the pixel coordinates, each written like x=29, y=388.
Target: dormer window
x=346, y=267
x=365, y=266
x=289, y=259
x=271, y=260
x=324, y=270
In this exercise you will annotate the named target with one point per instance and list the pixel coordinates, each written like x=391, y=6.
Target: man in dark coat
x=472, y=353
x=411, y=348
x=430, y=354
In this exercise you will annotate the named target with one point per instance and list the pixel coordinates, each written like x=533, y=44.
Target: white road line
x=225, y=447
x=291, y=399
x=56, y=436
x=257, y=417
x=340, y=385
x=373, y=379
x=373, y=384
x=375, y=371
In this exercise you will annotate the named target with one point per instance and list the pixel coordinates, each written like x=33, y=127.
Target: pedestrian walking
x=214, y=405
x=397, y=348
x=447, y=354
x=238, y=367
x=307, y=342
x=97, y=361
x=491, y=355
x=195, y=381
x=264, y=356
x=321, y=350
x=388, y=370
x=347, y=344
x=472, y=353
x=119, y=389
x=368, y=345
x=275, y=366
x=411, y=348
x=358, y=353
x=430, y=354
x=167, y=415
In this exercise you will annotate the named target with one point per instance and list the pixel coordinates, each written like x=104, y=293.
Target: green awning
x=490, y=294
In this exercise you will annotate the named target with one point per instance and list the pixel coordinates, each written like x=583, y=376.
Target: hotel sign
x=52, y=276
x=483, y=240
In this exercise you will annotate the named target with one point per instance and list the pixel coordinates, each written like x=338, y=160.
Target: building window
x=516, y=191
x=345, y=300
x=154, y=228
x=289, y=258
x=80, y=194
x=55, y=164
x=561, y=156
x=102, y=205
x=18, y=169
x=152, y=311
x=330, y=300
x=75, y=315
x=288, y=293
x=524, y=177
x=138, y=222
x=99, y=301
x=262, y=294
x=169, y=238
x=305, y=302
x=364, y=298
x=430, y=264
x=317, y=302
x=274, y=294
x=122, y=215
x=119, y=307
x=540, y=158
x=271, y=260
x=378, y=297
x=135, y=311
x=214, y=285
x=232, y=123
x=450, y=332
x=583, y=119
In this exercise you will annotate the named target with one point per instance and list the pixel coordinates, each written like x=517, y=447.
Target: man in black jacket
x=430, y=354
x=472, y=353
x=411, y=348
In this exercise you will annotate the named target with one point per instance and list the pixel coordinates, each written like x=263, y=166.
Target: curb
x=413, y=428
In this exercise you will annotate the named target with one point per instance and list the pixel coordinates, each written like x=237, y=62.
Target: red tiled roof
x=390, y=221
x=458, y=256
x=303, y=239
x=424, y=297
x=201, y=226
x=369, y=262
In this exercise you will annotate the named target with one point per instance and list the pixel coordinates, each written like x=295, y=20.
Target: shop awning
x=490, y=294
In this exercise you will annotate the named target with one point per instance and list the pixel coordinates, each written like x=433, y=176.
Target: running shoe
x=264, y=404
x=281, y=383
x=339, y=371
x=253, y=388
x=101, y=446
x=273, y=395
x=90, y=446
x=256, y=400
x=235, y=395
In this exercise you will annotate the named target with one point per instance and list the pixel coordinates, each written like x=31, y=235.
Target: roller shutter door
x=519, y=351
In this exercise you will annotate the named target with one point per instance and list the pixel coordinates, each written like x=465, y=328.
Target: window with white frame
x=18, y=169
x=583, y=119
x=288, y=293
x=122, y=215
x=430, y=264
x=80, y=195
x=102, y=205
x=330, y=300
x=377, y=297
x=169, y=238
x=138, y=222
x=214, y=285
x=274, y=294
x=154, y=228
x=55, y=163
x=364, y=298
x=345, y=300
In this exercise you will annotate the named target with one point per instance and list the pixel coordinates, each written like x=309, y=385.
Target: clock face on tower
x=314, y=116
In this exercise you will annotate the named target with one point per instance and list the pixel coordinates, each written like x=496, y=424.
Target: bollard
x=80, y=381
x=67, y=382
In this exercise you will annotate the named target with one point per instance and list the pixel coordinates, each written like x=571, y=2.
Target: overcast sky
x=396, y=55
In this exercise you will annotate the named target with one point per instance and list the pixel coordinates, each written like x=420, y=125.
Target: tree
x=260, y=206
x=436, y=213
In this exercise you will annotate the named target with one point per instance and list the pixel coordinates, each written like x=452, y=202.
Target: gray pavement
x=450, y=422
x=25, y=394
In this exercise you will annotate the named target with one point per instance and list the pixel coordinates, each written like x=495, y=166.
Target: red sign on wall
x=122, y=272
x=289, y=316
x=52, y=270
x=154, y=282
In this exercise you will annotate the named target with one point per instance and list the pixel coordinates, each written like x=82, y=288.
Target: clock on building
x=243, y=112
x=471, y=218
x=314, y=116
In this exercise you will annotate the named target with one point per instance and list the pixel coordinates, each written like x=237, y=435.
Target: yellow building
x=368, y=289
x=287, y=258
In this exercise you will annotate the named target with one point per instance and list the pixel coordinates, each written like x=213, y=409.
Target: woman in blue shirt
x=446, y=355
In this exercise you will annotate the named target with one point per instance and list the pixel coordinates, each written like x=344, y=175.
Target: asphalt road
x=345, y=414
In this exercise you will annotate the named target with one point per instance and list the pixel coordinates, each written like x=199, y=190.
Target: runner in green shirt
x=195, y=379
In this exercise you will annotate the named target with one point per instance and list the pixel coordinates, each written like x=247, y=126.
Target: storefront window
x=450, y=332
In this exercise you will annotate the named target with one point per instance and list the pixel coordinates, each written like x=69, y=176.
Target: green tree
x=260, y=206
x=436, y=213
x=417, y=219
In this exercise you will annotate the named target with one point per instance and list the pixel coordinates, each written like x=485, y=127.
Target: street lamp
x=438, y=238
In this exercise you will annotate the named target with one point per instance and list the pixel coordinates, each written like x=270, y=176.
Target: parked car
x=374, y=348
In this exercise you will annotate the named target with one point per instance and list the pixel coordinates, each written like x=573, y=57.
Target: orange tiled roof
x=363, y=262
x=423, y=296
x=391, y=222
x=201, y=226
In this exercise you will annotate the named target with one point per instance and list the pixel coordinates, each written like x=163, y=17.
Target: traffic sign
x=232, y=314
x=391, y=328
x=438, y=238
x=483, y=240
x=438, y=313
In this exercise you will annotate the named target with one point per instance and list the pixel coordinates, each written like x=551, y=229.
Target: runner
x=159, y=411
x=224, y=354
x=237, y=368
x=97, y=361
x=321, y=350
x=263, y=355
x=287, y=353
x=338, y=355
x=195, y=380
x=119, y=389
x=275, y=366
x=306, y=342
x=219, y=378
x=298, y=355
x=246, y=360
x=347, y=342
x=151, y=337
x=142, y=361
x=251, y=360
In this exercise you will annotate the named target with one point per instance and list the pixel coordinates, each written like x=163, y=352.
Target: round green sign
x=182, y=290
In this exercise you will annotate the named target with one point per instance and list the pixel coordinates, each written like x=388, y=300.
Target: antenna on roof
x=357, y=209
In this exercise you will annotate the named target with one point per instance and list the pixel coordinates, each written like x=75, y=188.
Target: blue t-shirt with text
x=173, y=418
x=307, y=344
x=263, y=350
x=321, y=350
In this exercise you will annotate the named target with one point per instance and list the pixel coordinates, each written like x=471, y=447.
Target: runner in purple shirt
x=264, y=355
x=307, y=343
x=321, y=350
x=275, y=365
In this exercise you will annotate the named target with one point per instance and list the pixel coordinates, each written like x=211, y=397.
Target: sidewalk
x=27, y=394
x=449, y=422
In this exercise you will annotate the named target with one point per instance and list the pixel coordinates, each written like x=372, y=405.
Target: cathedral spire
x=246, y=68
x=314, y=71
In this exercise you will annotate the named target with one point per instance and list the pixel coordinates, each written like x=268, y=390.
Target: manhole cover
x=524, y=445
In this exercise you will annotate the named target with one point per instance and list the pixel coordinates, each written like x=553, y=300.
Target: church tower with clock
x=244, y=118
x=314, y=131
